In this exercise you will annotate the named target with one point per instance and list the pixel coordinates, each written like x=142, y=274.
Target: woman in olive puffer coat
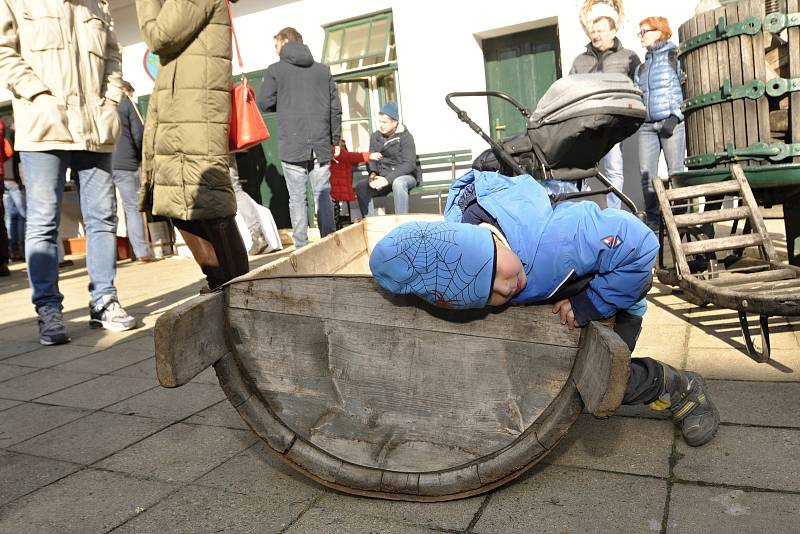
x=185, y=160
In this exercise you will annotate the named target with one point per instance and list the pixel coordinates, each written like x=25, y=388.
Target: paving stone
x=98, y=392
x=144, y=369
x=50, y=356
x=23, y=474
x=654, y=336
x=452, y=515
x=744, y=456
x=733, y=364
x=757, y=403
x=26, y=420
x=180, y=452
x=38, y=383
x=319, y=520
x=91, y=438
x=87, y=501
x=221, y=414
x=11, y=348
x=674, y=355
x=11, y=371
x=198, y=509
x=5, y=404
x=623, y=444
x=171, y=404
x=714, y=510
x=564, y=499
x=258, y=471
x=108, y=360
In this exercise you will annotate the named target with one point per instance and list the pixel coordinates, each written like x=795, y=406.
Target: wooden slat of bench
x=692, y=219
x=716, y=188
x=723, y=243
x=765, y=276
x=443, y=161
x=457, y=153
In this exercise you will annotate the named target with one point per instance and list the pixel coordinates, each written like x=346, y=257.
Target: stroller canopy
x=579, y=95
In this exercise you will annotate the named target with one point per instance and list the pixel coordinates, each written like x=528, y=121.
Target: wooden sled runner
x=757, y=285
x=379, y=395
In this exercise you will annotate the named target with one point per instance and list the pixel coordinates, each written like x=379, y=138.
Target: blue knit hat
x=450, y=265
x=390, y=110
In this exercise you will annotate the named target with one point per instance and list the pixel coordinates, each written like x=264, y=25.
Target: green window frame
x=374, y=41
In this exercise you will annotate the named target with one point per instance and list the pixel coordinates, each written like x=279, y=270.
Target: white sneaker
x=107, y=313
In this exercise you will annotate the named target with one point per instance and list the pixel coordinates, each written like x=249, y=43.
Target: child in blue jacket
x=502, y=242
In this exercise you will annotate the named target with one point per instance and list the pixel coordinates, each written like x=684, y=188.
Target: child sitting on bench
x=502, y=242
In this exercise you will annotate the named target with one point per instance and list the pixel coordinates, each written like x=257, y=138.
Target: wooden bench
x=438, y=162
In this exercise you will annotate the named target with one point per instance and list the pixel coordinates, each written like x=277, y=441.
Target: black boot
x=684, y=394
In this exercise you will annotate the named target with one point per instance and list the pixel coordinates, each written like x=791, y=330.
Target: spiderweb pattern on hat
x=439, y=275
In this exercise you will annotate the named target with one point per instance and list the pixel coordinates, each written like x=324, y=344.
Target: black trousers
x=217, y=248
x=4, y=253
x=646, y=378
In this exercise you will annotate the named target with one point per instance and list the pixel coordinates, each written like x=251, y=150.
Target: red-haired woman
x=663, y=129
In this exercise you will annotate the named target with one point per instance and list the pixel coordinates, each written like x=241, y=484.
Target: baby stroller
x=576, y=123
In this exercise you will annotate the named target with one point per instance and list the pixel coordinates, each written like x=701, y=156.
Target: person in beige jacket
x=61, y=61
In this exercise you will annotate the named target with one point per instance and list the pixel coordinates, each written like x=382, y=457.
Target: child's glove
x=669, y=125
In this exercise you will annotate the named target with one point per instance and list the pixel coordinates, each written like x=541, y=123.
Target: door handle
x=498, y=128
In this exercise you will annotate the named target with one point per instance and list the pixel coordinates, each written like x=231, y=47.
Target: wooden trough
x=380, y=395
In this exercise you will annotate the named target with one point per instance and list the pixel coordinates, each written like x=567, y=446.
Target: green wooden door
x=523, y=65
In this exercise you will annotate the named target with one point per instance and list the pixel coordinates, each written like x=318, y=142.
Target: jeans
x=612, y=168
x=14, y=203
x=399, y=188
x=128, y=184
x=296, y=175
x=651, y=143
x=44, y=183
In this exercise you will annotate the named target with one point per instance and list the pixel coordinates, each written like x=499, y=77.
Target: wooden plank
x=601, y=369
x=756, y=221
x=559, y=416
x=722, y=243
x=705, y=87
x=765, y=286
x=765, y=276
x=681, y=265
x=735, y=62
x=693, y=219
x=394, y=482
x=693, y=191
x=359, y=265
x=265, y=424
x=356, y=399
x=760, y=73
x=714, y=83
x=447, y=482
x=377, y=227
x=723, y=64
x=794, y=72
x=189, y=338
x=748, y=74
x=688, y=115
x=361, y=299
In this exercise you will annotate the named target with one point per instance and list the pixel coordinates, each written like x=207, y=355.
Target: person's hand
x=564, y=309
x=336, y=151
x=378, y=182
x=377, y=156
x=668, y=126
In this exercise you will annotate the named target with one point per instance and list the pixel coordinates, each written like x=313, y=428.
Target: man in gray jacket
x=304, y=94
x=66, y=87
x=605, y=53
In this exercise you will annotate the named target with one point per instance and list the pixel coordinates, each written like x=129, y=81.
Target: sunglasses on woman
x=642, y=33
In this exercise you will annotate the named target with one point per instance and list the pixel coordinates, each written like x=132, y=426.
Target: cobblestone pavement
x=90, y=443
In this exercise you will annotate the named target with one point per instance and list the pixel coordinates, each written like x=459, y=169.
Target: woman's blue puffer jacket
x=659, y=82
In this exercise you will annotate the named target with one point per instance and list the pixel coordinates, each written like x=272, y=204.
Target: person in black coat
x=392, y=165
x=304, y=94
x=125, y=172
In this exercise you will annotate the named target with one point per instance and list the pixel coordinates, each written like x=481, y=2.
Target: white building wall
x=438, y=46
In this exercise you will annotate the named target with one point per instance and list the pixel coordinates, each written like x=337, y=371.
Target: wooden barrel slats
x=372, y=394
x=733, y=113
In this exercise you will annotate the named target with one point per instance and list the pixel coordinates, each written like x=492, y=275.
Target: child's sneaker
x=51, y=326
x=108, y=314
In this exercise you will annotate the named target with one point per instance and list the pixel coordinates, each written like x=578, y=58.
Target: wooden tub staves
x=381, y=395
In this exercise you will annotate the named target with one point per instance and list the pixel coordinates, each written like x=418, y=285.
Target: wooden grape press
x=742, y=107
x=382, y=395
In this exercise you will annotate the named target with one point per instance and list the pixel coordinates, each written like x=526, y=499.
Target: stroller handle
x=508, y=98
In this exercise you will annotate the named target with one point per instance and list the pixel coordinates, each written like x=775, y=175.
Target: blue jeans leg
x=296, y=177
x=320, y=177
x=651, y=143
x=44, y=183
x=128, y=184
x=400, y=187
x=14, y=202
x=99, y=210
x=613, y=170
